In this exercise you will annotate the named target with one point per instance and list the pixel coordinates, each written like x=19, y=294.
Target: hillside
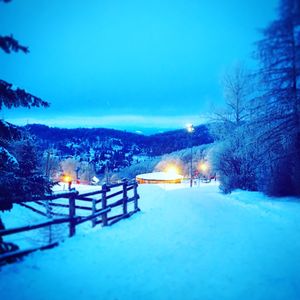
x=112, y=149
x=156, y=144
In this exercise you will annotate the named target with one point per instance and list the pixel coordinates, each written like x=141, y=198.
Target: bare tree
x=233, y=155
x=236, y=90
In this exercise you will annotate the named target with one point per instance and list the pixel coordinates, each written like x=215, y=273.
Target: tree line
x=259, y=131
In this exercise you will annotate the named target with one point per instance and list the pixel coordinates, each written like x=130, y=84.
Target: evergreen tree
x=19, y=173
x=12, y=172
x=30, y=178
x=8, y=44
x=15, y=97
x=278, y=110
x=8, y=170
x=262, y=149
x=9, y=95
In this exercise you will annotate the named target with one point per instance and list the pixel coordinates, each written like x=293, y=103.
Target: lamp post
x=190, y=129
x=68, y=179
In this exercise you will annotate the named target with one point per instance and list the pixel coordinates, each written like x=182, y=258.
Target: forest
x=258, y=131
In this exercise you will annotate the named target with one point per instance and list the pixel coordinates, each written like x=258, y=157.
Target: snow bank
x=159, y=176
x=185, y=244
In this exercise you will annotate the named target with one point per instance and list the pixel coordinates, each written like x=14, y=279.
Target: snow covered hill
x=184, y=244
x=106, y=149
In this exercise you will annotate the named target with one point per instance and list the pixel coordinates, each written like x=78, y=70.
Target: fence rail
x=72, y=217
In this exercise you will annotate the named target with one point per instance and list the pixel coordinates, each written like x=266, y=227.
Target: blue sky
x=133, y=65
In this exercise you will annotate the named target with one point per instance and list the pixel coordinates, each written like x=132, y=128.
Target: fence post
x=49, y=215
x=125, y=198
x=72, y=227
x=136, y=196
x=104, y=204
x=93, y=212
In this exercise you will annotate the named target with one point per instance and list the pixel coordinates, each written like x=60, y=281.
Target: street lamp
x=190, y=129
x=172, y=170
x=67, y=179
x=203, y=167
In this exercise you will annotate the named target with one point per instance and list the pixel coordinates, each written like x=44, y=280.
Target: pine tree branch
x=10, y=97
x=8, y=44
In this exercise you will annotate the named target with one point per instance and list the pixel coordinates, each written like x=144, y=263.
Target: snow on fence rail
x=74, y=214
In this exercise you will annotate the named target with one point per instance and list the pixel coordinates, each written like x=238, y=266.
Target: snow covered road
x=184, y=244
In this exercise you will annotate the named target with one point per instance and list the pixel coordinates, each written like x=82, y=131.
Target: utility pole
x=190, y=129
x=48, y=164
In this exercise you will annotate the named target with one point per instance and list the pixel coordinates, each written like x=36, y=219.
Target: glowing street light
x=67, y=179
x=172, y=170
x=190, y=129
x=203, y=167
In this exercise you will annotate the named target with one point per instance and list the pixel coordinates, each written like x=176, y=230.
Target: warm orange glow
x=203, y=167
x=67, y=178
x=172, y=170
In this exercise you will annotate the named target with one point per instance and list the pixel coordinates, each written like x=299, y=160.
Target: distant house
x=158, y=178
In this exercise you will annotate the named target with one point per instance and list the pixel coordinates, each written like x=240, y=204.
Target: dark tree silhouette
x=265, y=147
x=10, y=97
x=20, y=174
x=14, y=179
x=279, y=105
x=8, y=44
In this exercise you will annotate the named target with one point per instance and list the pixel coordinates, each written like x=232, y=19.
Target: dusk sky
x=134, y=65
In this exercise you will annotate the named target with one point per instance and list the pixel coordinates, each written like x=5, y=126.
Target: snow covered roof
x=159, y=176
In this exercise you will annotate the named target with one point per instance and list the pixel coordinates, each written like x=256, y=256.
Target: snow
x=10, y=158
x=186, y=243
x=159, y=176
x=62, y=187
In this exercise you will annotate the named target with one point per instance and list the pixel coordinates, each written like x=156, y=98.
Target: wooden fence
x=100, y=204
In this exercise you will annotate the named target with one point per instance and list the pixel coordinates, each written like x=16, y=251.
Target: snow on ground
x=62, y=187
x=184, y=244
x=160, y=176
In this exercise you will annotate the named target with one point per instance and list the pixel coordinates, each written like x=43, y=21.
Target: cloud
x=124, y=122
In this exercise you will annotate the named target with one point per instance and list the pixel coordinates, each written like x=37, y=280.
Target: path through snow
x=185, y=244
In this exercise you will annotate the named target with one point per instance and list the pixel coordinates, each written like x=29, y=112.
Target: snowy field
x=184, y=244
